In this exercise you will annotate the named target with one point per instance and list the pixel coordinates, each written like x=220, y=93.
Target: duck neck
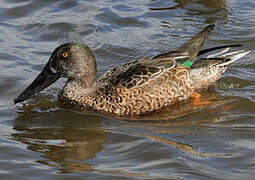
x=84, y=82
x=78, y=89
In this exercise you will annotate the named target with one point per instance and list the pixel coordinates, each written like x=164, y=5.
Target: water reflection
x=49, y=142
x=188, y=4
x=66, y=140
x=212, y=10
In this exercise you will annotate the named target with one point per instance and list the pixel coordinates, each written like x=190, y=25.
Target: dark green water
x=41, y=139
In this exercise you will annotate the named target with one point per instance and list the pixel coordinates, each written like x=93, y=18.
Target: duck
x=138, y=87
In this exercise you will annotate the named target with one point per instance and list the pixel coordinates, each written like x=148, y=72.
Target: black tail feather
x=204, y=51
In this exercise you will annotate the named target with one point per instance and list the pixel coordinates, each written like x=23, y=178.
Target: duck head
x=74, y=61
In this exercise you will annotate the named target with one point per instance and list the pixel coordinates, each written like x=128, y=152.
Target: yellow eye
x=65, y=54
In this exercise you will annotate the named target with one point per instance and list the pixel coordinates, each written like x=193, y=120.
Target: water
x=41, y=139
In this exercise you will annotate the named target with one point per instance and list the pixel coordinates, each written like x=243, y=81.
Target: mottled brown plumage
x=135, y=88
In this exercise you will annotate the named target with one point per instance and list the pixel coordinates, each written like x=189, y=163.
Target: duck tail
x=194, y=45
x=205, y=51
x=227, y=57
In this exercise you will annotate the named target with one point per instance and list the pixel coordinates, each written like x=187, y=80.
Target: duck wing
x=142, y=71
x=139, y=72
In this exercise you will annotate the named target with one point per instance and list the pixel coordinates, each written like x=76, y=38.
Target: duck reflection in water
x=64, y=145
x=67, y=140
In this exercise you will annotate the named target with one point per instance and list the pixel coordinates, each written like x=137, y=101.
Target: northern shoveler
x=138, y=87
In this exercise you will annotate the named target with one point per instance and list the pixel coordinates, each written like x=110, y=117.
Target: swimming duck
x=137, y=87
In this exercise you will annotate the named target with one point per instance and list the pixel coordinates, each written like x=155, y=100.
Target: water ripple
x=43, y=139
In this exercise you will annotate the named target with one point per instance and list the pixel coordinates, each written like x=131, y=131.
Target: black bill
x=42, y=81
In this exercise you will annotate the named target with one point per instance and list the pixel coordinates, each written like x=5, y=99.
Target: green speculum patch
x=187, y=63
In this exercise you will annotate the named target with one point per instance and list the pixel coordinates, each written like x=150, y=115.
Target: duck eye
x=65, y=54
